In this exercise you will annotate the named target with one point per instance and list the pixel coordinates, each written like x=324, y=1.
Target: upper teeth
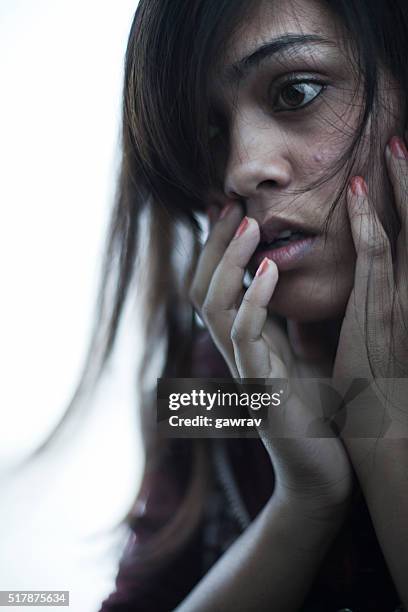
x=284, y=234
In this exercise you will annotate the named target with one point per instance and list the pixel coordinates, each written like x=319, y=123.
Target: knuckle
x=237, y=334
x=378, y=248
x=209, y=309
x=359, y=218
x=248, y=302
x=376, y=244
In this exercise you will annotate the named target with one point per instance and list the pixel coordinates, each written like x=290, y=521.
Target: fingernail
x=242, y=227
x=225, y=210
x=263, y=266
x=398, y=148
x=358, y=186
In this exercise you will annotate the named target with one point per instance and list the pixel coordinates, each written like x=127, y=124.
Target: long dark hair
x=165, y=178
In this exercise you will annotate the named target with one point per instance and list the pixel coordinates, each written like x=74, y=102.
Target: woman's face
x=292, y=101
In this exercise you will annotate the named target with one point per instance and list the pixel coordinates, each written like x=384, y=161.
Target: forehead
x=290, y=25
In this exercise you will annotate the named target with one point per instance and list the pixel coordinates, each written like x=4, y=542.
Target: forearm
x=270, y=566
x=382, y=469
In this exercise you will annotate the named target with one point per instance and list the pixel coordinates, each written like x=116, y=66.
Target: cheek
x=318, y=161
x=382, y=197
x=316, y=295
x=323, y=157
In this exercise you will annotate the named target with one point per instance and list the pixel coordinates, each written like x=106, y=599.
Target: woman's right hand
x=312, y=471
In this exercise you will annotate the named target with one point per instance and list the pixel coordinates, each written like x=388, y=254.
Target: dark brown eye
x=296, y=95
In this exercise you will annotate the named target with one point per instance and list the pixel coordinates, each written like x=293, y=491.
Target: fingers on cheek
x=358, y=210
x=370, y=239
x=396, y=154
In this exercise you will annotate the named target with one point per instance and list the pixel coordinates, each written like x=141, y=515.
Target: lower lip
x=286, y=257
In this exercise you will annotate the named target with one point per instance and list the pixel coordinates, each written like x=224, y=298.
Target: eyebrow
x=239, y=70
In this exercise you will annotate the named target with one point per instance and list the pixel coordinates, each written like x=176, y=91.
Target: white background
x=61, y=70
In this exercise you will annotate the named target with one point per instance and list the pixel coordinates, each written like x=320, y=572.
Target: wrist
x=324, y=507
x=377, y=462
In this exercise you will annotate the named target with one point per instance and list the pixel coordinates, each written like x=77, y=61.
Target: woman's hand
x=373, y=345
x=373, y=339
x=313, y=471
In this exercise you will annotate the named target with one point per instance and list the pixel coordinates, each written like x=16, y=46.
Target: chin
x=310, y=299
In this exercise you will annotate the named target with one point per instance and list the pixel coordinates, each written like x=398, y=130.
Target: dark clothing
x=353, y=576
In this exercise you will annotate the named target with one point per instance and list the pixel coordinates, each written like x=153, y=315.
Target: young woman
x=284, y=120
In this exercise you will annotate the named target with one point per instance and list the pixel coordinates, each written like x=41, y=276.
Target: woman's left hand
x=373, y=342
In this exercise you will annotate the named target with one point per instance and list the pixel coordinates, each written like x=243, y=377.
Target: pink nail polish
x=398, y=148
x=263, y=266
x=358, y=186
x=242, y=227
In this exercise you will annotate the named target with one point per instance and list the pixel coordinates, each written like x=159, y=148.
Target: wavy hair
x=165, y=176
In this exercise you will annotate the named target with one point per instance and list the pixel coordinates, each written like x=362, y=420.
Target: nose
x=258, y=160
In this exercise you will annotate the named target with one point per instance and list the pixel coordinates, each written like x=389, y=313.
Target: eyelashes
x=296, y=95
